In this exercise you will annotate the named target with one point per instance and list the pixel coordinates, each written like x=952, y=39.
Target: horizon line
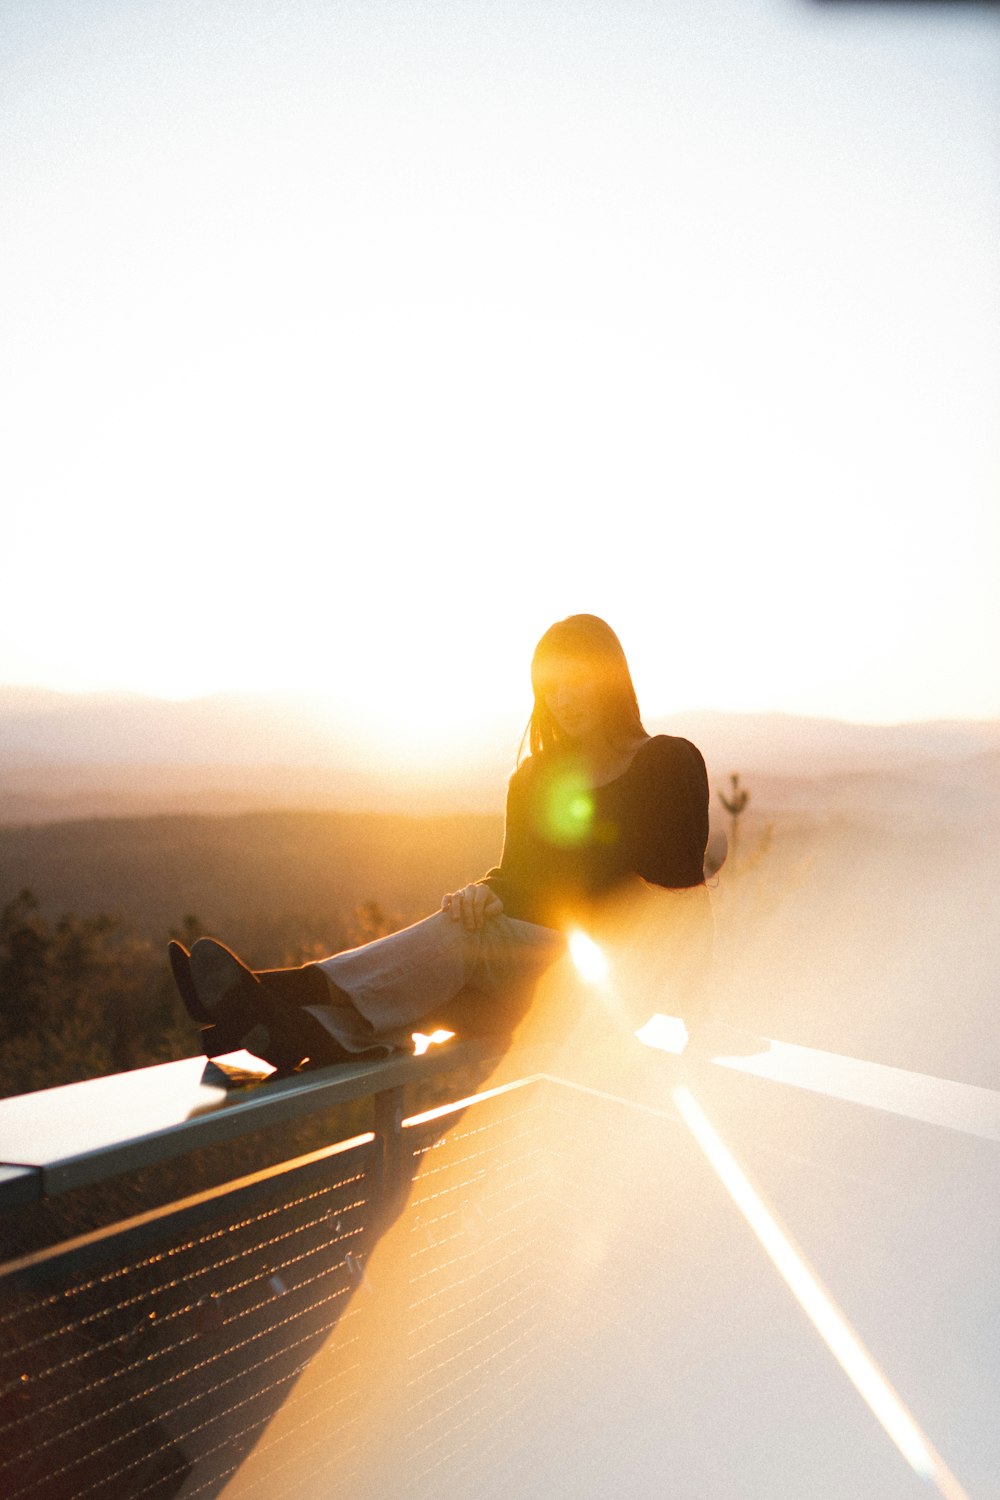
x=303, y=695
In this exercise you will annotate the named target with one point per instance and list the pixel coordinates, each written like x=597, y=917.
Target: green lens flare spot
x=569, y=810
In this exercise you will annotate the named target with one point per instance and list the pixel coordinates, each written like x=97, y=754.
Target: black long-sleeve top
x=566, y=844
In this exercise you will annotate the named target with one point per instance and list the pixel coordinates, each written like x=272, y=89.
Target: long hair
x=586, y=639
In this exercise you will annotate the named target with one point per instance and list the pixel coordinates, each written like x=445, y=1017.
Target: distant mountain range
x=67, y=755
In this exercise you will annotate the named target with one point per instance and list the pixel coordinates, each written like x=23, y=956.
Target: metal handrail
x=79, y=1134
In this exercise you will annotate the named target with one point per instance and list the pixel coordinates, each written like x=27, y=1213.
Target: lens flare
x=590, y=960
x=667, y=1033
x=568, y=808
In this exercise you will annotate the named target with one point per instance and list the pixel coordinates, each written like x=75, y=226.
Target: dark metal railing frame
x=240, y=1113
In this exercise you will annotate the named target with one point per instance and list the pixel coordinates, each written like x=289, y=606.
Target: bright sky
x=348, y=343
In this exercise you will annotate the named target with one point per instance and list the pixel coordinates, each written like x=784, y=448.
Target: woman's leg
x=369, y=999
x=397, y=981
x=302, y=986
x=237, y=1010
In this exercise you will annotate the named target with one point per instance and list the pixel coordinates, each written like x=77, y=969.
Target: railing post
x=382, y=1393
x=391, y=1180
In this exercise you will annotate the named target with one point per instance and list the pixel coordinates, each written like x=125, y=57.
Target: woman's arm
x=670, y=819
x=472, y=905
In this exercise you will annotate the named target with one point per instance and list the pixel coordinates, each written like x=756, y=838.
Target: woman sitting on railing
x=596, y=809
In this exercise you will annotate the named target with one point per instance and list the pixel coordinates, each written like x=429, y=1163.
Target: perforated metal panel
x=146, y=1364
x=376, y=1323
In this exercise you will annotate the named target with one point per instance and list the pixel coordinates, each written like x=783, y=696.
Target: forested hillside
x=247, y=875
x=86, y=909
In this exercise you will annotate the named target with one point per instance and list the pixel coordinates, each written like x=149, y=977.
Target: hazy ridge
x=65, y=756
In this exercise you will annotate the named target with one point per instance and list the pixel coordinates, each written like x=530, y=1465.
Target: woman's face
x=572, y=694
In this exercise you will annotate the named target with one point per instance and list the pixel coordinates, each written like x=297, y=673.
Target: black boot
x=304, y=986
x=215, y=1038
x=180, y=965
x=260, y=1012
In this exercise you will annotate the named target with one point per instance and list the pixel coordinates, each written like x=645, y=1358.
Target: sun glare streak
x=459, y=1104
x=590, y=960
x=817, y=1304
x=421, y=1041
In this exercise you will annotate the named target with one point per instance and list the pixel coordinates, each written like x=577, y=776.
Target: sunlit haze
x=347, y=346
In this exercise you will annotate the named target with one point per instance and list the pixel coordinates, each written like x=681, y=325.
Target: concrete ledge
x=69, y=1137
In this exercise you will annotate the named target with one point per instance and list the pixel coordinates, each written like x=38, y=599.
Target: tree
x=24, y=960
x=735, y=805
x=79, y=998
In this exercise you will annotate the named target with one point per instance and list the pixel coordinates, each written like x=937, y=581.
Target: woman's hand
x=471, y=906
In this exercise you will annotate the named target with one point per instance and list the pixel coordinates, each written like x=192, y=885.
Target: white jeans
x=401, y=979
